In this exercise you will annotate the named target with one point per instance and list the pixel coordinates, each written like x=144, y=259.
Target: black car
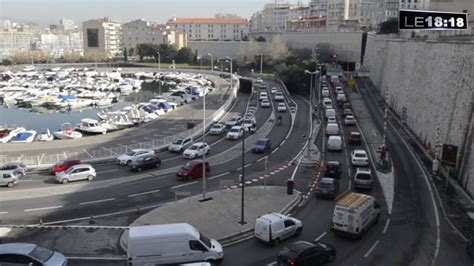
x=145, y=162
x=333, y=169
x=327, y=187
x=306, y=253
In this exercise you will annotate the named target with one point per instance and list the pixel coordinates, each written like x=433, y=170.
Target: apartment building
x=102, y=35
x=211, y=29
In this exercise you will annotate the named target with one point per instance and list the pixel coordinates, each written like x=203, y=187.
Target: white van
x=332, y=129
x=335, y=143
x=274, y=227
x=170, y=244
x=354, y=213
x=330, y=112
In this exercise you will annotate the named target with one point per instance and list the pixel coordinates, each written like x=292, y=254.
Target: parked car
x=333, y=169
x=234, y=121
x=217, y=129
x=129, y=157
x=64, y=165
x=8, y=178
x=279, y=96
x=180, y=144
x=349, y=120
x=281, y=107
x=262, y=145
x=265, y=103
x=75, y=173
x=275, y=227
x=306, y=253
x=327, y=187
x=355, y=137
x=192, y=169
x=29, y=254
x=359, y=157
x=145, y=162
x=236, y=132
x=18, y=168
x=196, y=150
x=363, y=178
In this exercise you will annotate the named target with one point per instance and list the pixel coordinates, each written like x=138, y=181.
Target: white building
x=211, y=29
x=318, y=8
x=141, y=31
x=67, y=24
x=275, y=16
x=102, y=35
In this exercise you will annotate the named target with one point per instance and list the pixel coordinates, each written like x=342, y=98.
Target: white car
x=259, y=80
x=263, y=95
x=327, y=103
x=196, y=150
x=249, y=122
x=235, y=132
x=281, y=107
x=129, y=157
x=339, y=89
x=274, y=90
x=279, y=96
x=76, y=172
x=180, y=144
x=325, y=92
x=265, y=103
x=332, y=120
x=234, y=121
x=341, y=97
x=349, y=120
x=217, y=129
x=359, y=158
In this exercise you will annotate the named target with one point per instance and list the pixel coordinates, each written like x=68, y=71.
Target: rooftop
x=208, y=21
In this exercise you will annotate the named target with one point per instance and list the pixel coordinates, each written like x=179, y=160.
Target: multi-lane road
x=413, y=231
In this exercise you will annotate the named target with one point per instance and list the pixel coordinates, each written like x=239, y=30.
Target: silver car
x=8, y=178
x=17, y=167
x=30, y=254
x=75, y=173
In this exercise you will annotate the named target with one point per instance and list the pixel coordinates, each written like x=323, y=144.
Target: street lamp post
x=310, y=107
x=231, y=79
x=212, y=61
x=159, y=61
x=261, y=64
x=242, y=179
x=204, y=141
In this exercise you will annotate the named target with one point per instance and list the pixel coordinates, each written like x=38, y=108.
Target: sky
x=47, y=12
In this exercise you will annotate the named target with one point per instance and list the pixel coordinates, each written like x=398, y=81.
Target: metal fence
x=104, y=154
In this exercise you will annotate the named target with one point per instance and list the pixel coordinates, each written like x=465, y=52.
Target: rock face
x=434, y=82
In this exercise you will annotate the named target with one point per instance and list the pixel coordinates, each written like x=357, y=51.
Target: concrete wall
x=434, y=81
x=223, y=49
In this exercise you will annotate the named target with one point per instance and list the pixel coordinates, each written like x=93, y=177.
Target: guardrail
x=107, y=154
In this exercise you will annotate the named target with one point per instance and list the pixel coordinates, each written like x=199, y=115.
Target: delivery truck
x=170, y=244
x=354, y=213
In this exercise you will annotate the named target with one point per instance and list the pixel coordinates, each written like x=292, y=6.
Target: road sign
x=351, y=82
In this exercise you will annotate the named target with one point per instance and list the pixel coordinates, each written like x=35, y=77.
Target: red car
x=355, y=137
x=64, y=165
x=192, y=169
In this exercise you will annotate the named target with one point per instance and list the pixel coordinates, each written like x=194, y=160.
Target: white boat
x=6, y=134
x=125, y=89
x=24, y=136
x=103, y=102
x=67, y=132
x=122, y=121
x=45, y=135
x=91, y=126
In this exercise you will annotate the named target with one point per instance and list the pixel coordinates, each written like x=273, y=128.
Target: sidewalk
x=219, y=218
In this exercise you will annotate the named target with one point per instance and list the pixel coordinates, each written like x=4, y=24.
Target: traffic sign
x=351, y=82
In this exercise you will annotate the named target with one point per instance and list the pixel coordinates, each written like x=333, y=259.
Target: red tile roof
x=207, y=21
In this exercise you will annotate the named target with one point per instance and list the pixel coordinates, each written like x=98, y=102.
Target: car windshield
x=178, y=141
x=216, y=126
x=363, y=176
x=235, y=130
x=325, y=185
x=188, y=166
x=41, y=254
x=360, y=155
x=130, y=153
x=205, y=240
x=194, y=147
x=260, y=143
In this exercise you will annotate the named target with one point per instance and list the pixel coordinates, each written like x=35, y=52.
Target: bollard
x=290, y=184
x=91, y=220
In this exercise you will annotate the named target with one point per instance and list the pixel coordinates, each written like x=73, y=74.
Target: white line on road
x=182, y=185
x=143, y=193
x=321, y=236
x=261, y=159
x=42, y=209
x=386, y=226
x=275, y=150
x=283, y=142
x=371, y=249
x=349, y=171
x=247, y=165
x=271, y=264
x=3, y=212
x=105, y=171
x=26, y=180
x=219, y=175
x=96, y=201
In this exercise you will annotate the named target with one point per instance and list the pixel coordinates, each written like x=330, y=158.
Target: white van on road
x=335, y=143
x=170, y=244
x=274, y=227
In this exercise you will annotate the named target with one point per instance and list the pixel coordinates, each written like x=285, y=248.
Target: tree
x=125, y=55
x=195, y=59
x=389, y=26
x=167, y=52
x=184, y=55
x=261, y=39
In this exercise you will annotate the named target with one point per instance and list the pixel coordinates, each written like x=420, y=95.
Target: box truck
x=170, y=244
x=354, y=213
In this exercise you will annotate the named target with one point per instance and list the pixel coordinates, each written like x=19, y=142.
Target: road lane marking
x=386, y=226
x=275, y=150
x=106, y=171
x=271, y=264
x=3, y=212
x=44, y=208
x=219, y=175
x=371, y=249
x=349, y=171
x=182, y=185
x=143, y=193
x=96, y=201
x=247, y=165
x=321, y=236
x=26, y=180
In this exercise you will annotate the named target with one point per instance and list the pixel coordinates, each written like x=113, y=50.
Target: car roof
x=17, y=248
x=136, y=150
x=359, y=151
x=335, y=137
x=199, y=143
x=81, y=165
x=363, y=170
x=327, y=180
x=334, y=163
x=299, y=246
x=354, y=133
x=196, y=161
